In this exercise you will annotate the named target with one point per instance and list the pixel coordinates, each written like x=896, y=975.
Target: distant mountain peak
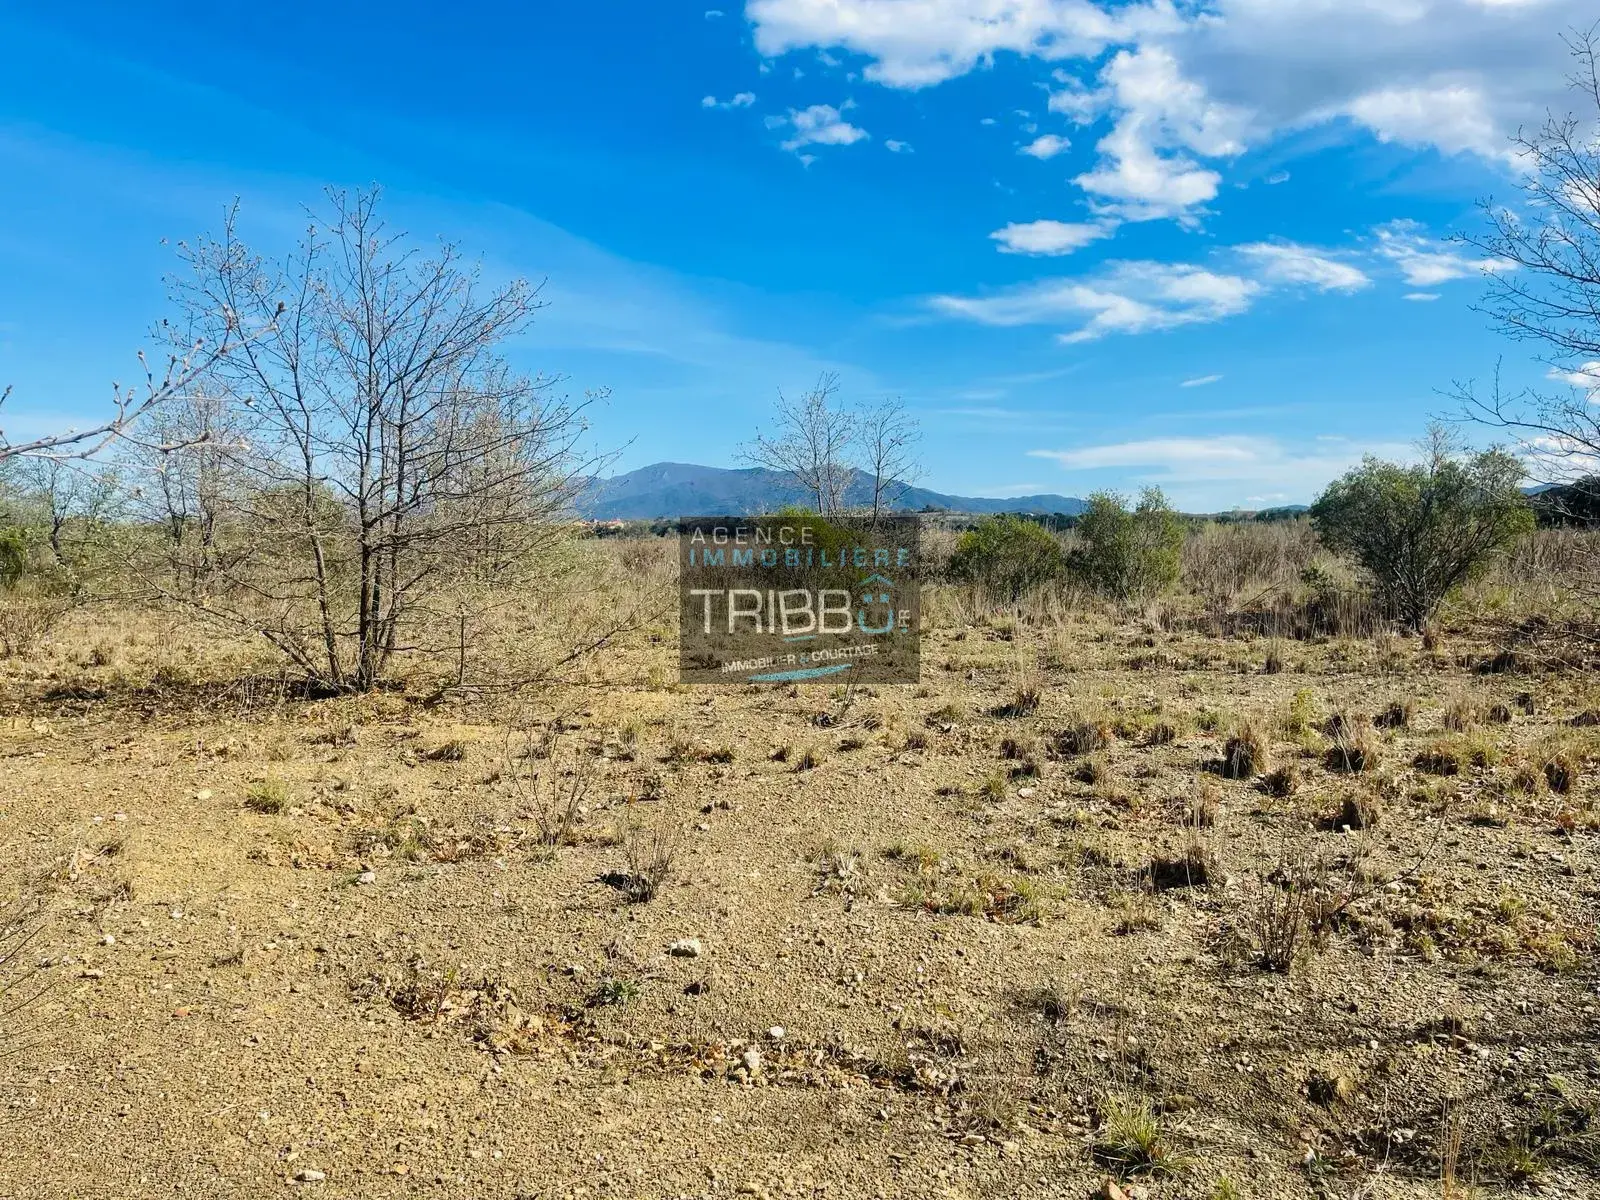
x=671, y=489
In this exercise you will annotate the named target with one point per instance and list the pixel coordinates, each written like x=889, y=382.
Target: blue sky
x=1197, y=245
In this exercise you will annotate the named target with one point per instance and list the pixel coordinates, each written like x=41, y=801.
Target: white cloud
x=740, y=100
x=1133, y=297
x=1452, y=118
x=1139, y=297
x=1203, y=381
x=1239, y=460
x=925, y=42
x=1046, y=145
x=1421, y=297
x=1290, y=263
x=1050, y=237
x=819, y=125
x=1145, y=172
x=1424, y=266
x=897, y=147
x=1187, y=86
x=713, y=13
x=1585, y=377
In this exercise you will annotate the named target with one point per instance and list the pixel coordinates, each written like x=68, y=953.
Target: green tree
x=1007, y=555
x=1129, y=555
x=1421, y=531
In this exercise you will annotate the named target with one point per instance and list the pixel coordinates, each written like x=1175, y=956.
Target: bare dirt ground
x=1012, y=932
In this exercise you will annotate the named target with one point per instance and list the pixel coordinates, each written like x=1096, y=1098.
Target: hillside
x=684, y=489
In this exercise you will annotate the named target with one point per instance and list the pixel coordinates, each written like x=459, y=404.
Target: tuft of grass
x=1131, y=1141
x=1281, y=783
x=1092, y=770
x=1359, y=810
x=1082, y=735
x=1274, y=663
x=1162, y=733
x=1026, y=696
x=612, y=992
x=453, y=750
x=1297, y=721
x=1397, y=715
x=1462, y=713
x=1246, y=753
x=1354, y=748
x=1452, y=755
x=270, y=795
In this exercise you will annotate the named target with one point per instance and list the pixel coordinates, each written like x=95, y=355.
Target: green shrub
x=1421, y=531
x=1129, y=555
x=1007, y=554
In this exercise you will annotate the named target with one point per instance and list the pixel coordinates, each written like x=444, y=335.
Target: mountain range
x=668, y=489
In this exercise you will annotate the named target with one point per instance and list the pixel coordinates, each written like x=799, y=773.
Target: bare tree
x=1547, y=288
x=888, y=436
x=66, y=492
x=128, y=405
x=811, y=445
x=389, y=458
x=181, y=479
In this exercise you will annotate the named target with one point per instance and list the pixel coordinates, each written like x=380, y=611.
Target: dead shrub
x=1162, y=733
x=1246, y=753
x=650, y=855
x=1359, y=810
x=1561, y=773
x=1397, y=715
x=1083, y=735
x=1281, y=783
x=1354, y=747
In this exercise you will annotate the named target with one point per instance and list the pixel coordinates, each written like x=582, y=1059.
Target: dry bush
x=1246, y=753
x=1359, y=810
x=1281, y=783
x=29, y=613
x=1082, y=735
x=1397, y=715
x=552, y=795
x=1354, y=746
x=650, y=855
x=1222, y=563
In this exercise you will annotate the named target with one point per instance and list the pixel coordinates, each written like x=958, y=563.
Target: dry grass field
x=1114, y=902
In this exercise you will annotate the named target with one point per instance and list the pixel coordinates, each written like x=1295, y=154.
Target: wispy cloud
x=739, y=100
x=1201, y=382
x=1292, y=263
x=1246, y=462
x=1420, y=261
x=1133, y=297
x=897, y=147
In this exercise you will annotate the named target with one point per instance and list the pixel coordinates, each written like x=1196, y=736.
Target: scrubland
x=1239, y=893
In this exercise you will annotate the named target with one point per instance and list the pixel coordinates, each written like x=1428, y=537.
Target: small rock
x=751, y=1059
x=108, y=940
x=685, y=948
x=777, y=1033
x=367, y=877
x=1110, y=1191
x=203, y=794
x=310, y=1175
